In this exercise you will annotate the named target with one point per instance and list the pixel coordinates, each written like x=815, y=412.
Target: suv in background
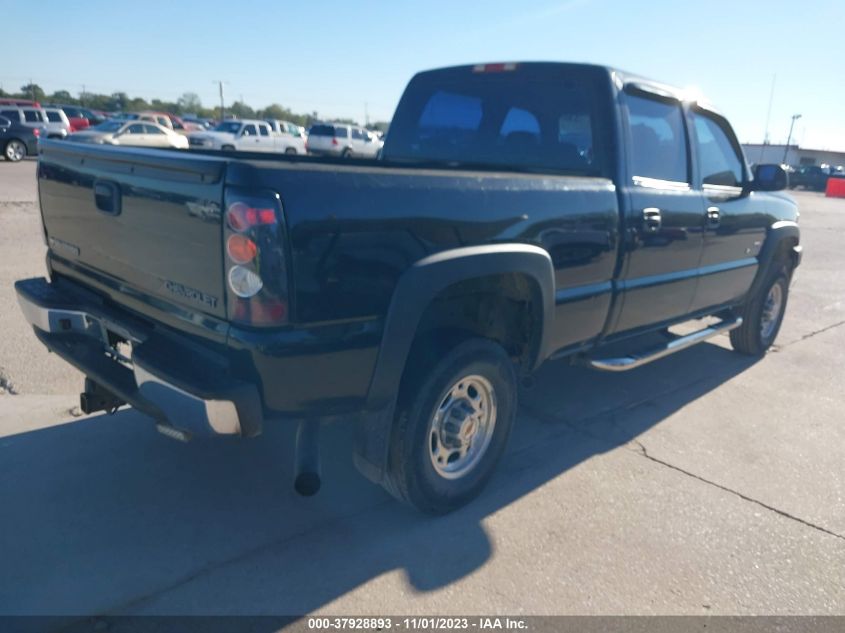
x=29, y=117
x=342, y=140
x=16, y=140
x=812, y=177
x=57, y=125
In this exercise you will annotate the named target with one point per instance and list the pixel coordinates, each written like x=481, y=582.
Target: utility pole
x=220, y=83
x=795, y=117
x=31, y=89
x=768, y=117
x=366, y=116
x=82, y=96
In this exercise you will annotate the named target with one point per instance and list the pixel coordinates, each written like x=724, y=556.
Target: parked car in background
x=58, y=125
x=79, y=118
x=812, y=177
x=30, y=117
x=289, y=135
x=285, y=127
x=329, y=139
x=247, y=135
x=135, y=133
x=16, y=140
x=204, y=124
x=170, y=121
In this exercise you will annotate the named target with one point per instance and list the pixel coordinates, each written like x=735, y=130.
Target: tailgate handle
x=107, y=196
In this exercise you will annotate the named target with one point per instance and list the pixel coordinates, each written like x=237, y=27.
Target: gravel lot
x=706, y=483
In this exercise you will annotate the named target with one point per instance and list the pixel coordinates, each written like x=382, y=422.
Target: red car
x=80, y=118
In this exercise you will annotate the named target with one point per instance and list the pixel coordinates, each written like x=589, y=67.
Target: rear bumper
x=167, y=377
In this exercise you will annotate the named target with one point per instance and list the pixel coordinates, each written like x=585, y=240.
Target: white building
x=768, y=153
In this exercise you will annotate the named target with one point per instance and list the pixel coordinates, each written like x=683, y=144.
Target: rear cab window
x=541, y=117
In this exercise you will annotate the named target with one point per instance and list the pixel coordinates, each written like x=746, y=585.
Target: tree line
x=188, y=103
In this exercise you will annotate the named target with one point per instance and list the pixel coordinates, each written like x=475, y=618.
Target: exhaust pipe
x=307, y=459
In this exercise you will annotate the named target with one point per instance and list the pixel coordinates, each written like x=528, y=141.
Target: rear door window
x=249, y=130
x=341, y=132
x=264, y=130
x=658, y=148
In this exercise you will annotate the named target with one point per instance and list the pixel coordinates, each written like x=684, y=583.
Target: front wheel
x=452, y=426
x=762, y=315
x=15, y=150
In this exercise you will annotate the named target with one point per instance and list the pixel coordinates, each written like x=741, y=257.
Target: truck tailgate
x=148, y=218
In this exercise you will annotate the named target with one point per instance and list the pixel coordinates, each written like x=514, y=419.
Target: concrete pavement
x=706, y=483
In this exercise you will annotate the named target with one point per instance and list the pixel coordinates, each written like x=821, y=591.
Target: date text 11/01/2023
x=417, y=623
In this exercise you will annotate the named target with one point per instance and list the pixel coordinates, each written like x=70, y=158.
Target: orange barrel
x=835, y=188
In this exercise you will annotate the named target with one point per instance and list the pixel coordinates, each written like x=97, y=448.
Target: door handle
x=107, y=197
x=714, y=217
x=651, y=219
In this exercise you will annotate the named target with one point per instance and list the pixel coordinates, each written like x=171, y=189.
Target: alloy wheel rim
x=15, y=150
x=771, y=311
x=462, y=427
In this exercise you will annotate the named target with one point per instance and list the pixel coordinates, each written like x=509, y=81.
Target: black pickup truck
x=519, y=212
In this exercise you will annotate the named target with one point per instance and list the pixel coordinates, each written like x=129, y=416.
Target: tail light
x=254, y=239
x=334, y=141
x=36, y=132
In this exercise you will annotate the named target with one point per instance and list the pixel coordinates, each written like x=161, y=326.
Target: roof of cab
x=621, y=79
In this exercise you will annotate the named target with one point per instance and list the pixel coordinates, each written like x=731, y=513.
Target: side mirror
x=769, y=178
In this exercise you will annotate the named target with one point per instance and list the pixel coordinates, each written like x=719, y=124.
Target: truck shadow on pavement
x=106, y=516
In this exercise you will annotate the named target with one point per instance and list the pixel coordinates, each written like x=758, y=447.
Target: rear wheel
x=454, y=417
x=347, y=153
x=290, y=150
x=15, y=150
x=228, y=148
x=762, y=314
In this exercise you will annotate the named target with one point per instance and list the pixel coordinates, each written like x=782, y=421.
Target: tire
x=228, y=148
x=15, y=150
x=347, y=153
x=762, y=314
x=453, y=421
x=290, y=150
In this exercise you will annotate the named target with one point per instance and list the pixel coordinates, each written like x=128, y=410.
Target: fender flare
x=778, y=233
x=416, y=288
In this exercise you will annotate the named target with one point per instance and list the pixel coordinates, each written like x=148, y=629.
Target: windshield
x=231, y=127
x=108, y=126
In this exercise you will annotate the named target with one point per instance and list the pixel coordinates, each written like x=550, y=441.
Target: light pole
x=795, y=117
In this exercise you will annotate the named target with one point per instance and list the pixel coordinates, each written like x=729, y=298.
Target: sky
x=353, y=59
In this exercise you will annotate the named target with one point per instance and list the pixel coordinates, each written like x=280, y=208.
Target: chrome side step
x=632, y=361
